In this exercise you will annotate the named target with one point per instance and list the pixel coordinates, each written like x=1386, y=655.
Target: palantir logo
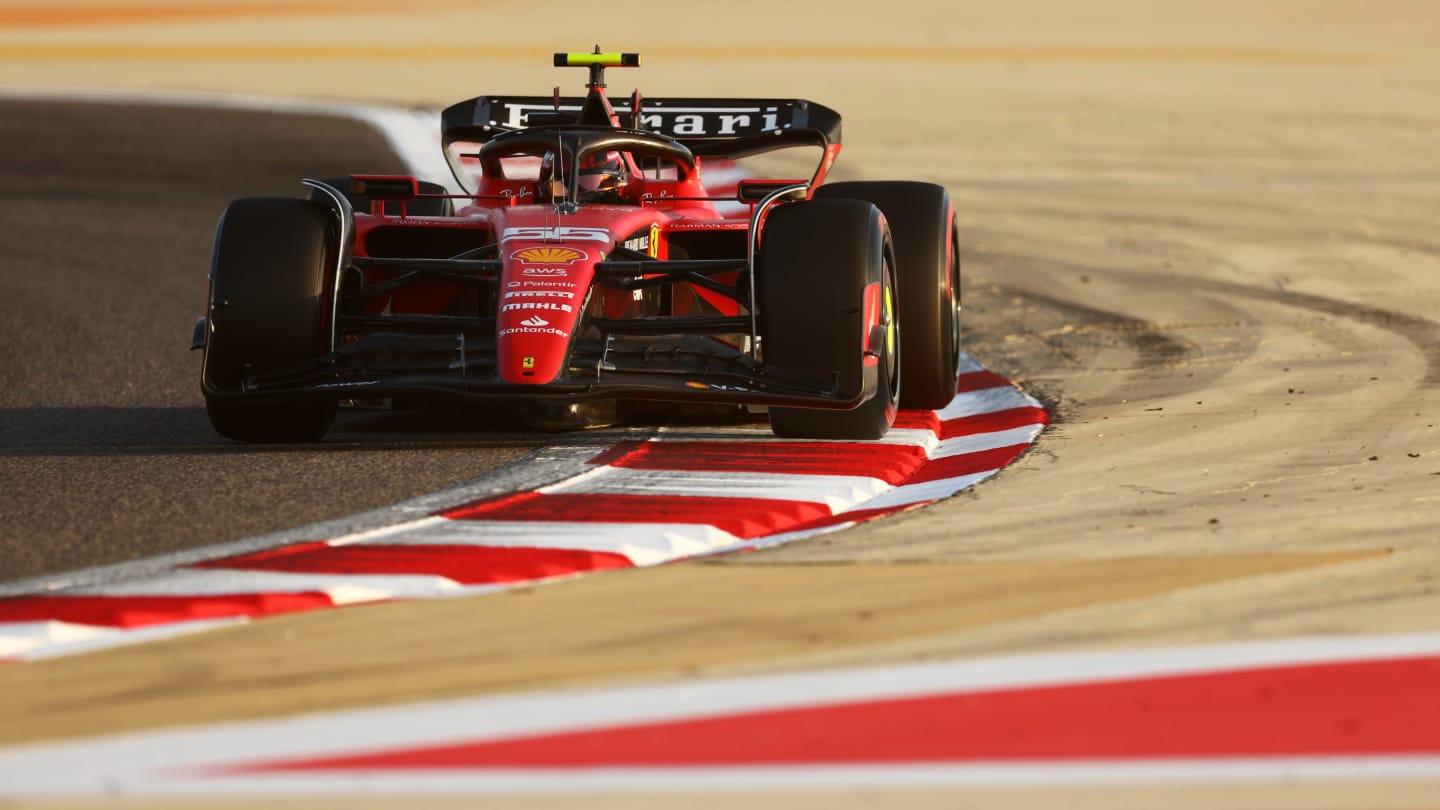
x=535, y=321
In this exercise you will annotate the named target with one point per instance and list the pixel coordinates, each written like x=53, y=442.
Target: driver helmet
x=603, y=172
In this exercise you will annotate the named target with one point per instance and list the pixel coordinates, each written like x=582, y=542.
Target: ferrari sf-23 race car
x=588, y=262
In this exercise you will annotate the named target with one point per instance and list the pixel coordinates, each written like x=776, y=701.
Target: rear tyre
x=927, y=269
x=817, y=261
x=267, y=313
x=423, y=207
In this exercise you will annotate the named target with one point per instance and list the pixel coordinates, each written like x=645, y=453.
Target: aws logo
x=548, y=255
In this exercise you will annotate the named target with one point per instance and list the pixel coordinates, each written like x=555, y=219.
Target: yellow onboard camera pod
x=597, y=59
x=597, y=62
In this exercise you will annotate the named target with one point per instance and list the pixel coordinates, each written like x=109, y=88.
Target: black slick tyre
x=816, y=261
x=267, y=314
x=927, y=269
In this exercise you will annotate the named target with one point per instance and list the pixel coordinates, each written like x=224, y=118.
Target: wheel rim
x=892, y=334
x=953, y=276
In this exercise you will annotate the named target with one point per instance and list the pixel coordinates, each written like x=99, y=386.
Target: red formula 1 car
x=588, y=262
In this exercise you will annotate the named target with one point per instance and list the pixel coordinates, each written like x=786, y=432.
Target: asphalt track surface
x=105, y=452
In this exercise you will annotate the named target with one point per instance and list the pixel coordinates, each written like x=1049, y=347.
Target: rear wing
x=708, y=127
x=704, y=125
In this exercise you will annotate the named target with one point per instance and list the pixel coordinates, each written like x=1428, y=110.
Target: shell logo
x=548, y=255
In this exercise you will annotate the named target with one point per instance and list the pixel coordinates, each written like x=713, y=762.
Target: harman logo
x=536, y=305
x=535, y=321
x=548, y=255
x=710, y=225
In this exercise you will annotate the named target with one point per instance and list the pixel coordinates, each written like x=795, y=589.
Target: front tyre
x=927, y=264
x=827, y=302
x=267, y=314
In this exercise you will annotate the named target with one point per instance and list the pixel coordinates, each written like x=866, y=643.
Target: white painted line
x=579, y=782
x=986, y=400
x=911, y=494
x=341, y=588
x=642, y=543
x=835, y=491
x=17, y=638
x=760, y=436
x=106, y=637
x=979, y=442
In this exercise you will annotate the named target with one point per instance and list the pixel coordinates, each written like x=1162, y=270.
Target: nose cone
x=542, y=290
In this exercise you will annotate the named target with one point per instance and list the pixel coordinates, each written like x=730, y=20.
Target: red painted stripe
x=892, y=463
x=854, y=516
x=468, y=565
x=980, y=380
x=742, y=517
x=917, y=420
x=968, y=463
x=991, y=422
x=144, y=611
x=1370, y=707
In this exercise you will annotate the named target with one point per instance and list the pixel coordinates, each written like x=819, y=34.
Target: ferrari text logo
x=676, y=120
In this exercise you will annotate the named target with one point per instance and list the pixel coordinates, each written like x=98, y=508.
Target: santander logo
x=535, y=321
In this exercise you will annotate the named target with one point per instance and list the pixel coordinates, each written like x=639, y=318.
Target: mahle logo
x=536, y=305
x=548, y=255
